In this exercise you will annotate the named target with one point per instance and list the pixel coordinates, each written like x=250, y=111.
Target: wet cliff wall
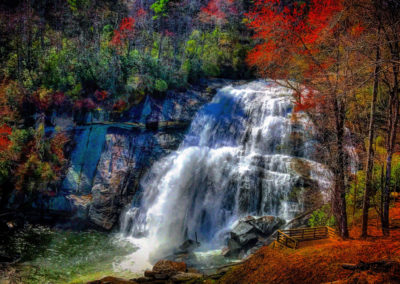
x=109, y=153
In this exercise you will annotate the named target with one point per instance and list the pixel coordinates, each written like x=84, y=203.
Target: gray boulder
x=250, y=232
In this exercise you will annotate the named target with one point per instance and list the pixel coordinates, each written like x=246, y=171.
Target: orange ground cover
x=321, y=261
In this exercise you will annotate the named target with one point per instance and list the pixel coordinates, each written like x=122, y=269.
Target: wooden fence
x=291, y=238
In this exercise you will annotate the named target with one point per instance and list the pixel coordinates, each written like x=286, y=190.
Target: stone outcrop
x=250, y=232
x=111, y=152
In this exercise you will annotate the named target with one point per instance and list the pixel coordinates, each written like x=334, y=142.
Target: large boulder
x=266, y=224
x=249, y=232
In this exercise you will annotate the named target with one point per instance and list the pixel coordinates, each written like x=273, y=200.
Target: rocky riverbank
x=168, y=272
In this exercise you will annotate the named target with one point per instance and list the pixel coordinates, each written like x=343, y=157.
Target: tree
x=370, y=154
x=123, y=36
x=313, y=44
x=217, y=11
x=389, y=14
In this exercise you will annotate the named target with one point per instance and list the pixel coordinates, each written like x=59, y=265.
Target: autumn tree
x=311, y=46
x=389, y=15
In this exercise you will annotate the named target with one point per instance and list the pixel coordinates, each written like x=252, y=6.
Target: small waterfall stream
x=244, y=154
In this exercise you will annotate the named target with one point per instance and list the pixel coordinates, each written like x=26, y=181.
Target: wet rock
x=233, y=249
x=169, y=267
x=160, y=276
x=185, y=276
x=249, y=232
x=143, y=279
x=149, y=273
x=266, y=224
x=188, y=246
x=164, y=271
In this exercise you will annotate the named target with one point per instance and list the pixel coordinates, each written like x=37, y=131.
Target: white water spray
x=240, y=157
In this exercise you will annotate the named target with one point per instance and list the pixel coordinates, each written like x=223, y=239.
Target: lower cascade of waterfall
x=244, y=154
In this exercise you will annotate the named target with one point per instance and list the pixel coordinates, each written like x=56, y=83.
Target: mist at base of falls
x=244, y=154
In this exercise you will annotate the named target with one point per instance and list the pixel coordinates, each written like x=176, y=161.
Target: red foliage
x=78, y=104
x=289, y=32
x=292, y=37
x=5, y=131
x=217, y=11
x=141, y=13
x=87, y=104
x=305, y=99
x=168, y=33
x=120, y=105
x=59, y=98
x=125, y=31
x=101, y=95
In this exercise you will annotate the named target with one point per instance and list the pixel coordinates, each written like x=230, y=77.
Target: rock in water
x=188, y=246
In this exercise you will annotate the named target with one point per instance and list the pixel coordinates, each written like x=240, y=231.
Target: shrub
x=322, y=217
x=160, y=85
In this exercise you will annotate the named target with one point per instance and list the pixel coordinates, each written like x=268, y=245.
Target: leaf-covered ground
x=321, y=262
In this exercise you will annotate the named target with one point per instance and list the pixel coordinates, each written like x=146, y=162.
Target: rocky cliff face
x=110, y=154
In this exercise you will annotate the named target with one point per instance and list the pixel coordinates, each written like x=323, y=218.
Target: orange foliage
x=321, y=262
x=57, y=147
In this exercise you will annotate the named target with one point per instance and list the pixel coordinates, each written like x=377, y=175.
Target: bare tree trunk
x=355, y=196
x=393, y=121
x=339, y=194
x=160, y=46
x=370, y=155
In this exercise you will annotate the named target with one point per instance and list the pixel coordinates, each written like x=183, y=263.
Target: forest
x=65, y=65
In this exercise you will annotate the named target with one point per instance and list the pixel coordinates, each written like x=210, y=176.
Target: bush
x=322, y=217
x=160, y=85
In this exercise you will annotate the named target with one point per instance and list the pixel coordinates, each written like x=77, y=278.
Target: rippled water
x=53, y=256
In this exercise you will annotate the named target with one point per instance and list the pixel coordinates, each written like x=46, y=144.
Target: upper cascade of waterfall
x=244, y=154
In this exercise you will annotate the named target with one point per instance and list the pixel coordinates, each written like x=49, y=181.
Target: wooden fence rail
x=291, y=238
x=286, y=240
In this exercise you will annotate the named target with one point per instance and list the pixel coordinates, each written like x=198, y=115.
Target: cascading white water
x=238, y=158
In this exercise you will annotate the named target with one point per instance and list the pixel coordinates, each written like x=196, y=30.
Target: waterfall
x=244, y=154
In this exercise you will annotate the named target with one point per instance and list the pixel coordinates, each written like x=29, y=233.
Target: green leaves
x=322, y=217
x=160, y=8
x=160, y=85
